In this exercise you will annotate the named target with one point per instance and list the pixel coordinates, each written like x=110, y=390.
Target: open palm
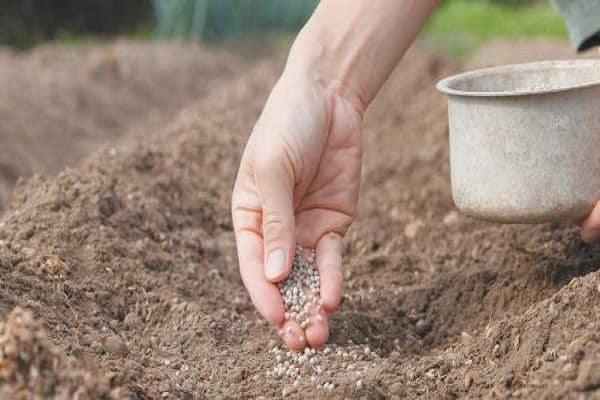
x=298, y=183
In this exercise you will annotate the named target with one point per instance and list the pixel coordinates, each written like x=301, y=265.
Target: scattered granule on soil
x=300, y=290
x=321, y=368
x=315, y=367
x=411, y=229
x=30, y=366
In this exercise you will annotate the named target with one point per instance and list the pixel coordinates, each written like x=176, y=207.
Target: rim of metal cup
x=448, y=85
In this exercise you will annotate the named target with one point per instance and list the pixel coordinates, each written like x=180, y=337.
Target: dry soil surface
x=129, y=263
x=61, y=102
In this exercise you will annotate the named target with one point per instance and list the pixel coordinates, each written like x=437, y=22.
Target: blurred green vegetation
x=216, y=19
x=24, y=23
x=461, y=26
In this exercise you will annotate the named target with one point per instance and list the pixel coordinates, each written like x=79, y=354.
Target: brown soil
x=31, y=367
x=511, y=51
x=129, y=261
x=61, y=102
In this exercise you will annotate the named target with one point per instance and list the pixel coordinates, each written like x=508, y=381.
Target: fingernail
x=275, y=264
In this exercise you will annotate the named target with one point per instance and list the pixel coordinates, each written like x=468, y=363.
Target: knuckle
x=236, y=219
x=276, y=153
x=234, y=206
x=274, y=225
x=268, y=155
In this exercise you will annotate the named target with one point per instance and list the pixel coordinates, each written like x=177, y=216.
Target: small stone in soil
x=589, y=375
x=116, y=345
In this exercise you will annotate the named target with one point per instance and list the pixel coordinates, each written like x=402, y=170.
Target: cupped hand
x=298, y=183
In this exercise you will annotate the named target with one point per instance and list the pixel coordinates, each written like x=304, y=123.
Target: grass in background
x=461, y=26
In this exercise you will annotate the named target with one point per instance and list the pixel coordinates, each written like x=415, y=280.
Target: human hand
x=590, y=227
x=298, y=183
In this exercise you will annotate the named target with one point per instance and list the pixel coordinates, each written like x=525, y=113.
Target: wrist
x=315, y=62
x=351, y=46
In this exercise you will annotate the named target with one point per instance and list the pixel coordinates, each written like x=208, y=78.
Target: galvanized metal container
x=525, y=140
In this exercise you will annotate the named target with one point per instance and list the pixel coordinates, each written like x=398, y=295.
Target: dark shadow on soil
x=578, y=260
x=435, y=314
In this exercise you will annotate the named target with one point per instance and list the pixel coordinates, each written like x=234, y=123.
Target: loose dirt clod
x=116, y=345
x=589, y=375
x=32, y=368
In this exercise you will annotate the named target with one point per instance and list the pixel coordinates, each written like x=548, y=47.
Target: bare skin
x=319, y=168
x=299, y=176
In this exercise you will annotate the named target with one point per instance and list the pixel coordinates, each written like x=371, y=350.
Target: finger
x=293, y=335
x=264, y=294
x=317, y=331
x=275, y=183
x=590, y=228
x=329, y=262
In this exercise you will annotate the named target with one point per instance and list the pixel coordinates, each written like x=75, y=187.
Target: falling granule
x=300, y=290
x=301, y=295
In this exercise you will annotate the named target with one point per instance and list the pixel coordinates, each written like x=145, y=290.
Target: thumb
x=275, y=182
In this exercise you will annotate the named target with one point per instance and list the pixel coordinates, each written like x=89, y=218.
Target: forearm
x=353, y=45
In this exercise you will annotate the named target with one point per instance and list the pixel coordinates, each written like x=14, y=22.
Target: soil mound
x=129, y=261
x=61, y=102
x=514, y=51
